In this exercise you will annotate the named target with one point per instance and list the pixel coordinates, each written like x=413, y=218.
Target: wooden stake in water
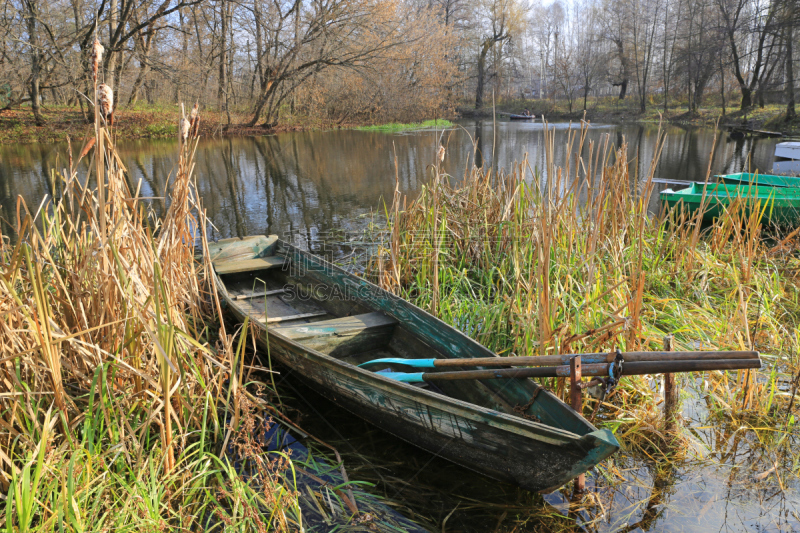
x=577, y=404
x=670, y=391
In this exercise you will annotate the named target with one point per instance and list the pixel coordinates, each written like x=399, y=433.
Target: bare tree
x=498, y=20
x=790, y=22
x=32, y=17
x=753, y=19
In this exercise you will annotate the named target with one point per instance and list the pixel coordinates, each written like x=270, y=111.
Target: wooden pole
x=670, y=391
x=577, y=404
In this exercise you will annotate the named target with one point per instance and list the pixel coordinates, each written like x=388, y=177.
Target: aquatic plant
x=576, y=263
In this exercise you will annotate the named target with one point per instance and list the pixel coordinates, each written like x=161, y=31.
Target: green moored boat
x=762, y=180
x=779, y=206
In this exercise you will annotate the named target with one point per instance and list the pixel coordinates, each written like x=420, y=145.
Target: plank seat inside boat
x=247, y=265
x=343, y=336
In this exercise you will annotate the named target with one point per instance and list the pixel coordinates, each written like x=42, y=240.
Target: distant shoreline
x=157, y=122
x=769, y=118
x=17, y=125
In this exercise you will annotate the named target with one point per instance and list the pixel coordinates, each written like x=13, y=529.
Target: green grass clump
x=582, y=266
x=394, y=127
x=161, y=129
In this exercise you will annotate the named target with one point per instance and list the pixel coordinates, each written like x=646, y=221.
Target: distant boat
x=322, y=322
x=521, y=117
x=779, y=206
x=788, y=150
x=763, y=180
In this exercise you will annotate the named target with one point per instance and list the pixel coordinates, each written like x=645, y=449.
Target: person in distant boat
x=527, y=113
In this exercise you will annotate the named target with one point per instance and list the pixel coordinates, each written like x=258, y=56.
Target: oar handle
x=590, y=358
x=599, y=369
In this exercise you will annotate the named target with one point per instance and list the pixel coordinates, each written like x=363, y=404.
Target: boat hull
x=777, y=206
x=762, y=180
x=483, y=442
x=788, y=150
x=502, y=446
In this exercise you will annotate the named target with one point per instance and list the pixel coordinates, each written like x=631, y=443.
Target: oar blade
x=415, y=363
x=404, y=377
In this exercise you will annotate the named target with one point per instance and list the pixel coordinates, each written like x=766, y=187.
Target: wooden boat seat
x=343, y=336
x=246, y=265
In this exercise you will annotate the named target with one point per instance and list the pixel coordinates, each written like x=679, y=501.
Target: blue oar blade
x=411, y=377
x=415, y=363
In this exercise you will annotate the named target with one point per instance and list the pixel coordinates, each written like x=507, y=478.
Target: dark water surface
x=302, y=185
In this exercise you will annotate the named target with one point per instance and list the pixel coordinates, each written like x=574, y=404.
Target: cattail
x=105, y=101
x=87, y=147
x=97, y=56
x=184, y=128
x=441, y=153
x=194, y=117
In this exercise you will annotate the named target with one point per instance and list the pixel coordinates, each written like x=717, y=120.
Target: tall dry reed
x=114, y=396
x=579, y=264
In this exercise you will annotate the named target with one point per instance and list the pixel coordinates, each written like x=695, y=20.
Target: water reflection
x=717, y=488
x=311, y=182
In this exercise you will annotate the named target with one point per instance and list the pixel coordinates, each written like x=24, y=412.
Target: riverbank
x=154, y=122
x=158, y=121
x=139, y=122
x=612, y=110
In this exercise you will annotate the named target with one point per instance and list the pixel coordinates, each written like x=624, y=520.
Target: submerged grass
x=579, y=265
x=122, y=392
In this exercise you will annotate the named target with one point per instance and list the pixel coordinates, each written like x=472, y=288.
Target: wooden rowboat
x=778, y=206
x=321, y=322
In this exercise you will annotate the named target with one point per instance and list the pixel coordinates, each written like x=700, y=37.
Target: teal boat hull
x=777, y=206
x=761, y=180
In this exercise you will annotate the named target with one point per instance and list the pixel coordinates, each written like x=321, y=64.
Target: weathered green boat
x=321, y=322
x=762, y=180
x=778, y=206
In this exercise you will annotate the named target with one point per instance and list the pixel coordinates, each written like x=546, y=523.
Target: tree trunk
x=259, y=43
x=36, y=65
x=623, y=84
x=145, y=45
x=747, y=97
x=485, y=47
x=791, y=114
x=722, y=83
x=223, y=55
x=111, y=55
x=623, y=89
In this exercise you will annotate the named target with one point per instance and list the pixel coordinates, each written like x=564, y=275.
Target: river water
x=311, y=182
x=306, y=185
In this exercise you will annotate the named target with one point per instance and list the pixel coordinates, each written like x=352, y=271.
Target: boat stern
x=596, y=446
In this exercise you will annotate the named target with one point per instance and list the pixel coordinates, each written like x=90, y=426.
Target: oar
x=555, y=360
x=628, y=369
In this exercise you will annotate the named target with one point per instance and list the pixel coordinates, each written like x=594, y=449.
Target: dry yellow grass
x=113, y=396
